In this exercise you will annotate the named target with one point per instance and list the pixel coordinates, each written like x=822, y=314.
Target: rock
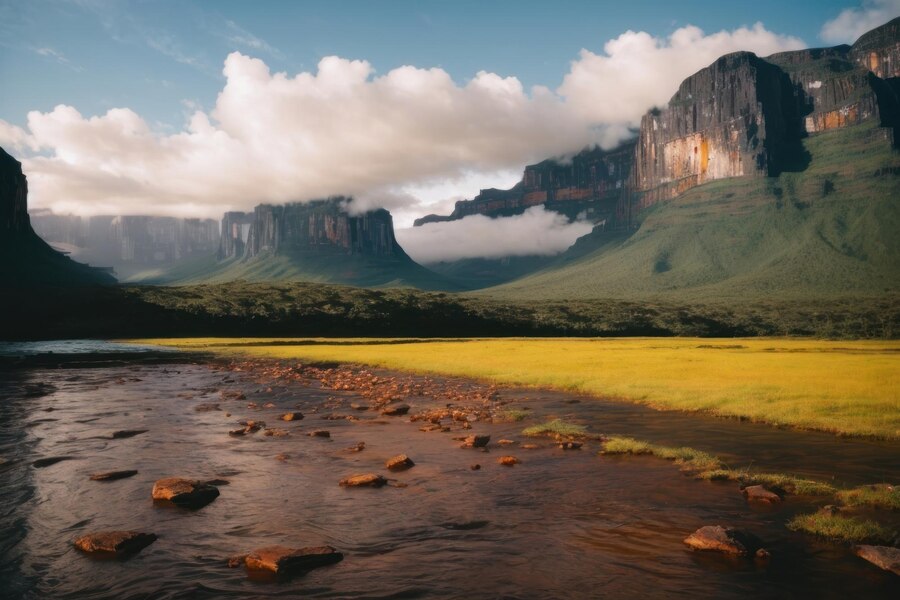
x=401, y=462
x=758, y=493
x=217, y=482
x=476, y=441
x=505, y=442
x=238, y=432
x=475, y=467
x=115, y=543
x=762, y=554
x=52, y=460
x=884, y=557
x=112, y=475
x=360, y=407
x=323, y=433
x=285, y=561
x=367, y=480
x=508, y=461
x=207, y=406
x=571, y=445
x=188, y=493
x=395, y=410
x=529, y=446
x=275, y=432
x=236, y=561
x=720, y=539
x=358, y=447
x=292, y=416
x=282, y=457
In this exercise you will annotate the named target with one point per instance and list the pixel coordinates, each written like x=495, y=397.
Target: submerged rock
x=282, y=560
x=188, y=493
x=571, y=445
x=885, y=557
x=508, y=461
x=324, y=433
x=401, y=462
x=127, y=433
x=367, y=480
x=476, y=441
x=395, y=410
x=292, y=416
x=112, y=475
x=52, y=460
x=721, y=539
x=758, y=493
x=114, y=543
x=358, y=447
x=207, y=406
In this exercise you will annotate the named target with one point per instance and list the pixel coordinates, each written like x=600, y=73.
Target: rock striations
x=742, y=116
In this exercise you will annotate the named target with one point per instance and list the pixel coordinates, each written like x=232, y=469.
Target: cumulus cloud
x=853, y=22
x=637, y=71
x=404, y=140
x=536, y=232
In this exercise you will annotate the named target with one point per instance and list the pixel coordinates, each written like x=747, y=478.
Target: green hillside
x=827, y=231
x=347, y=269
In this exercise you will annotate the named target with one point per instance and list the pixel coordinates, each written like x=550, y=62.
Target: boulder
x=884, y=557
x=292, y=416
x=721, y=539
x=476, y=441
x=112, y=475
x=395, y=410
x=282, y=560
x=188, y=493
x=367, y=480
x=758, y=493
x=114, y=543
x=401, y=462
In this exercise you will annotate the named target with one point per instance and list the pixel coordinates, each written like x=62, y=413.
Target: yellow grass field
x=844, y=387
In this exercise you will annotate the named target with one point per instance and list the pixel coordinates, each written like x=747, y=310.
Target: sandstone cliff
x=742, y=116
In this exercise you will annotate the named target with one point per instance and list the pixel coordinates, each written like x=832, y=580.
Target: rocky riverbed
x=442, y=495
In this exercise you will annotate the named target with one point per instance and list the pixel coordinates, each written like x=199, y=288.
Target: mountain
x=760, y=176
x=316, y=241
x=25, y=259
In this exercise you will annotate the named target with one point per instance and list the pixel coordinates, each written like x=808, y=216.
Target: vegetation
x=688, y=458
x=780, y=481
x=841, y=528
x=877, y=496
x=515, y=415
x=556, y=427
x=842, y=387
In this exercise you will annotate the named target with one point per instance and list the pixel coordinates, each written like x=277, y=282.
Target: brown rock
x=207, y=406
x=508, y=461
x=720, y=539
x=112, y=475
x=401, y=462
x=529, y=446
x=762, y=554
x=395, y=410
x=475, y=467
x=885, y=557
x=570, y=445
x=127, y=433
x=275, y=432
x=236, y=561
x=292, y=416
x=115, y=543
x=323, y=433
x=505, y=442
x=284, y=561
x=476, y=441
x=356, y=406
x=758, y=493
x=188, y=493
x=282, y=457
x=367, y=480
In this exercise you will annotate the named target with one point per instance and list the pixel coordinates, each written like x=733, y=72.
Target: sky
x=193, y=108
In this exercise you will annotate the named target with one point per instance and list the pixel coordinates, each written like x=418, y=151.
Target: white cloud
x=637, y=71
x=536, y=232
x=853, y=22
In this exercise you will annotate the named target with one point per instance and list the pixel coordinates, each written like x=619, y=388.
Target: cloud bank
x=345, y=130
x=853, y=22
x=536, y=232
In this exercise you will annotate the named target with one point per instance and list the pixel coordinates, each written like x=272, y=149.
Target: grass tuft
x=878, y=496
x=689, y=458
x=787, y=483
x=515, y=415
x=556, y=427
x=845, y=529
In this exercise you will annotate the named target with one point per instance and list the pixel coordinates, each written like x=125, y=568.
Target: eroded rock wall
x=13, y=196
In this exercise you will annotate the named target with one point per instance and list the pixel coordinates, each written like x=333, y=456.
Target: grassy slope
x=827, y=231
x=846, y=387
x=316, y=268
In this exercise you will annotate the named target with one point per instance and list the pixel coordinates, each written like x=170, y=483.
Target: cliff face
x=321, y=227
x=743, y=116
x=13, y=196
x=234, y=233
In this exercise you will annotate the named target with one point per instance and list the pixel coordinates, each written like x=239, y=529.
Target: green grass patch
x=689, y=458
x=839, y=528
x=515, y=415
x=787, y=483
x=556, y=427
x=878, y=496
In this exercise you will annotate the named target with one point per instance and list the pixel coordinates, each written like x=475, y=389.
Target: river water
x=563, y=524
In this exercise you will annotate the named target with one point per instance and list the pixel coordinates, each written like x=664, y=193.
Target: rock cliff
x=742, y=116
x=13, y=196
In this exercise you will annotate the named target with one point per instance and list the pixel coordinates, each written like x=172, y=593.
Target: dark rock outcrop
x=288, y=561
x=115, y=543
x=183, y=492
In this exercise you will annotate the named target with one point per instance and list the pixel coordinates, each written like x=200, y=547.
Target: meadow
x=845, y=387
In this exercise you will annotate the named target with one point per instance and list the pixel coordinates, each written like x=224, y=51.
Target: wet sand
x=560, y=524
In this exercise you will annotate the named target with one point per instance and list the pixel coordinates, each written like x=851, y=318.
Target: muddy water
x=561, y=524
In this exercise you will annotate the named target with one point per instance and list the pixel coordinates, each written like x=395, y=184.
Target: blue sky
x=153, y=55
